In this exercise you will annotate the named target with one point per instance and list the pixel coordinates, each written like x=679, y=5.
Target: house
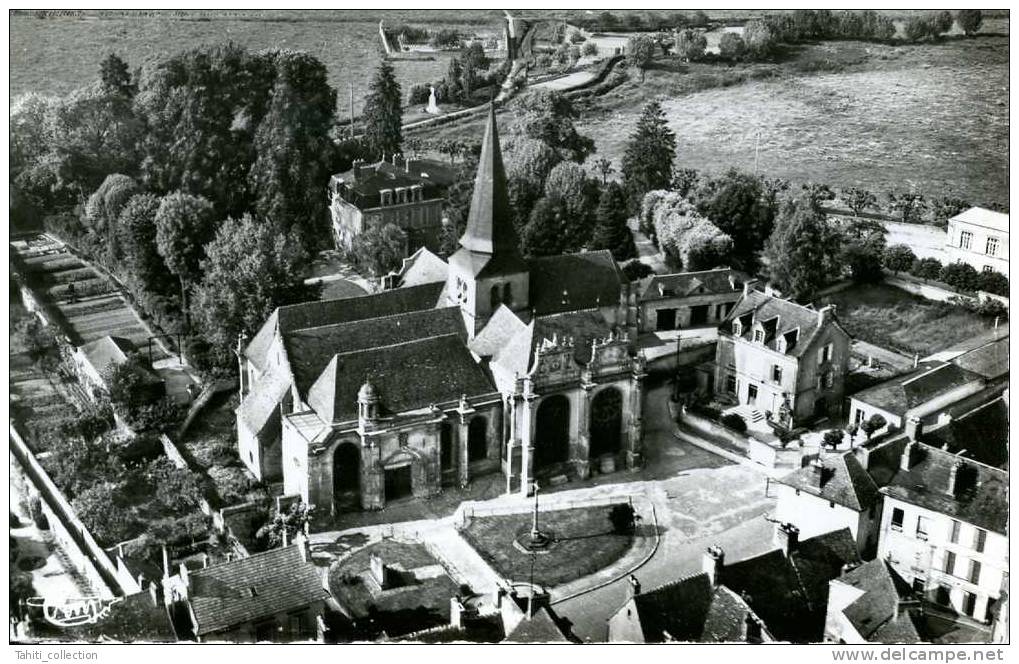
x=833, y=492
x=688, y=299
x=871, y=604
x=408, y=193
x=944, y=528
x=928, y=391
x=980, y=434
x=277, y=595
x=979, y=238
x=359, y=402
x=783, y=358
x=94, y=360
x=780, y=595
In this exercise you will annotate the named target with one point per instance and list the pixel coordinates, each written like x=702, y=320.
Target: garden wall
x=706, y=426
x=932, y=291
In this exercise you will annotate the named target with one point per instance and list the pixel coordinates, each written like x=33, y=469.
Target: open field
x=585, y=543
x=892, y=318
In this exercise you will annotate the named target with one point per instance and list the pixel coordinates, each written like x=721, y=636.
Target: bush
x=960, y=276
x=623, y=518
x=589, y=48
x=635, y=270
x=419, y=94
x=993, y=282
x=926, y=268
x=734, y=422
x=577, y=38
x=898, y=258
x=160, y=417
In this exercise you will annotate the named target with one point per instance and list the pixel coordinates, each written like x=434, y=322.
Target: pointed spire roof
x=490, y=236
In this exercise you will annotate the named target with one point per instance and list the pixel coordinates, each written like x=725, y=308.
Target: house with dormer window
x=784, y=359
x=687, y=299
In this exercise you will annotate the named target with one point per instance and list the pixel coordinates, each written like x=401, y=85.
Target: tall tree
x=548, y=116
x=691, y=45
x=744, y=207
x=969, y=20
x=184, y=225
x=528, y=163
x=611, y=231
x=249, y=270
x=796, y=252
x=116, y=77
x=293, y=148
x=546, y=229
x=640, y=51
x=862, y=249
x=379, y=251
x=650, y=154
x=382, y=113
x=137, y=230
x=569, y=183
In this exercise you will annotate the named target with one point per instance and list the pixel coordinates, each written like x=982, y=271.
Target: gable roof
x=262, y=401
x=907, y=391
x=981, y=434
x=981, y=496
x=684, y=284
x=978, y=216
x=309, y=350
x=407, y=376
x=422, y=267
x=250, y=589
x=516, y=354
x=989, y=361
x=572, y=282
x=874, y=614
x=503, y=326
x=332, y=312
x=691, y=609
x=839, y=478
x=784, y=318
x=542, y=627
x=109, y=350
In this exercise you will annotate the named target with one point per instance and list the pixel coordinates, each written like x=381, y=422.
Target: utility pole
x=351, y=109
x=757, y=150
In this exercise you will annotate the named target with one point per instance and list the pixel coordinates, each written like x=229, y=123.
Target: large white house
x=978, y=237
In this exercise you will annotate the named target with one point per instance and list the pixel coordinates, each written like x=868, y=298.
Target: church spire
x=489, y=226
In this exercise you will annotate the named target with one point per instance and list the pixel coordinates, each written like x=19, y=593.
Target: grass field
x=892, y=318
x=585, y=543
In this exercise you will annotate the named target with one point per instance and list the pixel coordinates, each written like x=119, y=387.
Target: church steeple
x=488, y=270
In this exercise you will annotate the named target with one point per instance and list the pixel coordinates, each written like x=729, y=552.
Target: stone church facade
x=519, y=366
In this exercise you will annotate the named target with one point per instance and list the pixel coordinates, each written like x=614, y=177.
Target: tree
x=569, y=183
x=926, y=268
x=969, y=20
x=636, y=270
x=137, y=231
x=178, y=490
x=623, y=518
x=863, y=247
x=759, y=39
x=545, y=231
x=249, y=270
x=690, y=241
x=744, y=207
x=604, y=168
x=898, y=258
x=833, y=438
x=284, y=525
x=731, y=46
x=858, y=200
x=29, y=133
x=612, y=231
x=640, y=50
x=293, y=148
x=870, y=425
x=548, y=116
x=528, y=163
x=589, y=48
x=993, y=282
x=910, y=205
x=105, y=205
x=382, y=114
x=797, y=250
x=456, y=209
x=941, y=22
x=379, y=250
x=944, y=208
x=917, y=28
x=125, y=382
x=106, y=514
x=116, y=77
x=184, y=225
x=650, y=154
x=960, y=276
x=691, y=45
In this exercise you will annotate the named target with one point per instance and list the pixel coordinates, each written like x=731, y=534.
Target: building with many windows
x=978, y=237
x=687, y=299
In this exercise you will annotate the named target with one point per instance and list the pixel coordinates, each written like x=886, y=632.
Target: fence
x=91, y=561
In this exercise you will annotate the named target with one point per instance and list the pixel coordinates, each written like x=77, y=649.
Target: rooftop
x=108, y=350
x=574, y=281
x=249, y=589
x=839, y=478
x=366, y=181
x=980, y=496
x=989, y=361
x=875, y=613
x=914, y=388
x=981, y=434
x=981, y=217
x=687, y=284
x=793, y=323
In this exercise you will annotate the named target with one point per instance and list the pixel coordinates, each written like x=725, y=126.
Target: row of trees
x=960, y=276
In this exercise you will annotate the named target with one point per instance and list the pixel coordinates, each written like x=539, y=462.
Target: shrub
x=623, y=518
x=635, y=270
x=734, y=422
x=872, y=424
x=898, y=258
x=419, y=94
x=991, y=308
x=926, y=268
x=589, y=48
x=159, y=417
x=833, y=437
x=577, y=38
x=960, y=276
x=993, y=282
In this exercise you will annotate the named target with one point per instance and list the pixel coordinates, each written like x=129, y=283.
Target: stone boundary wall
x=932, y=291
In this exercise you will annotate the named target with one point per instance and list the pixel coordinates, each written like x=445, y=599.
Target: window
x=751, y=393
x=974, y=571
x=737, y=329
x=979, y=540
x=298, y=626
x=969, y=604
x=965, y=240
x=824, y=355
x=758, y=336
x=949, y=562
x=921, y=527
x=897, y=517
x=992, y=246
x=776, y=373
x=956, y=527
x=988, y=268
x=919, y=585
x=730, y=384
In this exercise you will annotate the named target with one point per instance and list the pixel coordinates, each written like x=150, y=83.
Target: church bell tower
x=488, y=270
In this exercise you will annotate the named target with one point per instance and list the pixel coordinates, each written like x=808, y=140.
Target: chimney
x=456, y=611
x=914, y=428
x=820, y=472
x=748, y=286
x=787, y=536
x=185, y=581
x=916, y=360
x=907, y=456
x=751, y=629
x=301, y=542
x=634, y=585
x=732, y=281
x=712, y=563
x=205, y=561
x=953, y=478
x=166, y=563
x=154, y=594
x=825, y=314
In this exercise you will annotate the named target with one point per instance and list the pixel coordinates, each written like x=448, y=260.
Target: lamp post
x=534, y=516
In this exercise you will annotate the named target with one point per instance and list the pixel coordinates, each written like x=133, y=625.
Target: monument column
x=464, y=411
x=527, y=441
x=582, y=461
x=635, y=453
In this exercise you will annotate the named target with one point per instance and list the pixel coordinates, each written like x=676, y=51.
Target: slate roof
x=981, y=217
x=981, y=496
x=108, y=350
x=784, y=319
x=364, y=189
x=873, y=613
x=514, y=346
x=133, y=619
x=686, y=284
x=261, y=402
x=543, y=627
x=572, y=282
x=309, y=350
x=982, y=433
x=907, y=391
x=791, y=594
x=250, y=589
x=841, y=479
x=989, y=360
x=332, y=312
x=690, y=609
x=422, y=267
x=407, y=376
x=502, y=327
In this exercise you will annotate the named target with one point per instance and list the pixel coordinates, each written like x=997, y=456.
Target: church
x=493, y=363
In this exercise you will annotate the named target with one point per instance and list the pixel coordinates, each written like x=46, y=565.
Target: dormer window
x=758, y=336
x=737, y=329
x=386, y=196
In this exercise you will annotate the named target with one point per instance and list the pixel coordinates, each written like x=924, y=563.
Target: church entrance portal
x=398, y=483
x=347, y=475
x=606, y=422
x=552, y=431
